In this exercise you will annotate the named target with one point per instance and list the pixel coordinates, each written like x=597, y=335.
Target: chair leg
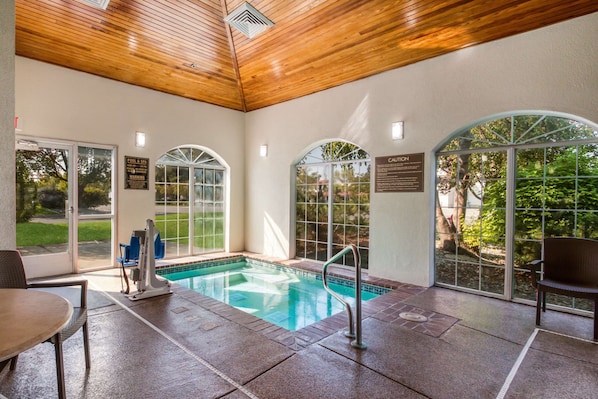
x=543, y=301
x=86, y=346
x=538, y=306
x=3, y=364
x=59, y=368
x=13, y=362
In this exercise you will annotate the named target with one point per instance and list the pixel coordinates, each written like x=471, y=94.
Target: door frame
x=62, y=262
x=67, y=262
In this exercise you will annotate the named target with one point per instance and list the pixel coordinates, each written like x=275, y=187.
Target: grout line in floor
x=178, y=344
x=515, y=368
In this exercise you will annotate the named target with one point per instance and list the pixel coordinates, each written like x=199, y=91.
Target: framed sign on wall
x=400, y=173
x=136, y=173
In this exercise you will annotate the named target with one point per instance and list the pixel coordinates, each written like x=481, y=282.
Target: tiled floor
x=185, y=345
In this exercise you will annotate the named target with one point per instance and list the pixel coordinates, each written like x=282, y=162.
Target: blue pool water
x=278, y=295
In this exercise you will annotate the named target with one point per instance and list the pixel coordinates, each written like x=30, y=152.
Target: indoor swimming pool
x=286, y=297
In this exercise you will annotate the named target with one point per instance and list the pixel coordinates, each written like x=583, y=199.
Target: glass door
x=95, y=212
x=208, y=210
x=44, y=206
x=501, y=188
x=471, y=221
x=56, y=181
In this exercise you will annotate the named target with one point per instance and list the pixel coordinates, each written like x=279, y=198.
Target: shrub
x=51, y=198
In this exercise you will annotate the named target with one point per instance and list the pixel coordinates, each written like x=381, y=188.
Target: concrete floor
x=186, y=346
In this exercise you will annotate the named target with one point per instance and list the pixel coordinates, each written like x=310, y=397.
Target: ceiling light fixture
x=103, y=4
x=248, y=20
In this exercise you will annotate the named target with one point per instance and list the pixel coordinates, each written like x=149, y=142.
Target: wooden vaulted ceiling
x=183, y=47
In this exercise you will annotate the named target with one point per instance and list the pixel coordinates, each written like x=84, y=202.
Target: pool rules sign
x=400, y=173
x=136, y=173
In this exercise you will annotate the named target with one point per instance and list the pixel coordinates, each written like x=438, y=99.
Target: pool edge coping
x=308, y=335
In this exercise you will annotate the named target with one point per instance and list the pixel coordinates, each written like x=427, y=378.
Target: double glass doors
x=502, y=187
x=65, y=210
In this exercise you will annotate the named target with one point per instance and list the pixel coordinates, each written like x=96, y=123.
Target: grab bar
x=353, y=332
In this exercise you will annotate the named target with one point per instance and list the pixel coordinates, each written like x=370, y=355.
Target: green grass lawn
x=33, y=234
x=176, y=226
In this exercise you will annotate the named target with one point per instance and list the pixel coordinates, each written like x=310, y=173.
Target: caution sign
x=136, y=173
x=400, y=173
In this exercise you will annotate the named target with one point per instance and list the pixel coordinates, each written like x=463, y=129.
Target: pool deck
x=185, y=345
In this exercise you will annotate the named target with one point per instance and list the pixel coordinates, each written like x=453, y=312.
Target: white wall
x=553, y=69
x=7, y=114
x=550, y=69
x=59, y=103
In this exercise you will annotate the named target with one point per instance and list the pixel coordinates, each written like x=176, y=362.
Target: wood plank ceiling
x=183, y=47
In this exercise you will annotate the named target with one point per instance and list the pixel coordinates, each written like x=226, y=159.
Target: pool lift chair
x=129, y=257
x=144, y=274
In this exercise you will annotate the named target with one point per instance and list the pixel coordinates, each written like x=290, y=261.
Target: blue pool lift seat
x=129, y=256
x=129, y=253
x=159, y=247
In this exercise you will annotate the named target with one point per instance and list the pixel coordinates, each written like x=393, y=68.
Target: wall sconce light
x=139, y=139
x=397, y=130
x=264, y=150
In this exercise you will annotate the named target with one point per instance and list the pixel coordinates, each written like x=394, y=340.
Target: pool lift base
x=149, y=284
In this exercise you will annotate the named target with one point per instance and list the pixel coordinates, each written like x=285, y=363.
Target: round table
x=29, y=317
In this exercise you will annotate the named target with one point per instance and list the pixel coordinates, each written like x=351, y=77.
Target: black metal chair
x=12, y=275
x=570, y=267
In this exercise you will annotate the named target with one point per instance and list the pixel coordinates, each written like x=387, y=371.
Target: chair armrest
x=122, y=247
x=69, y=283
x=535, y=269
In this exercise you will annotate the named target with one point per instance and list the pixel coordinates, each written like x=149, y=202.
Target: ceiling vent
x=103, y=4
x=248, y=20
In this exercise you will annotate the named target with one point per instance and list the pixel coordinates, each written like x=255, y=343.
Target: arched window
x=333, y=202
x=190, y=201
x=504, y=185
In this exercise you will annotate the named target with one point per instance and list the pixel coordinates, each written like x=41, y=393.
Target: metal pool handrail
x=353, y=332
